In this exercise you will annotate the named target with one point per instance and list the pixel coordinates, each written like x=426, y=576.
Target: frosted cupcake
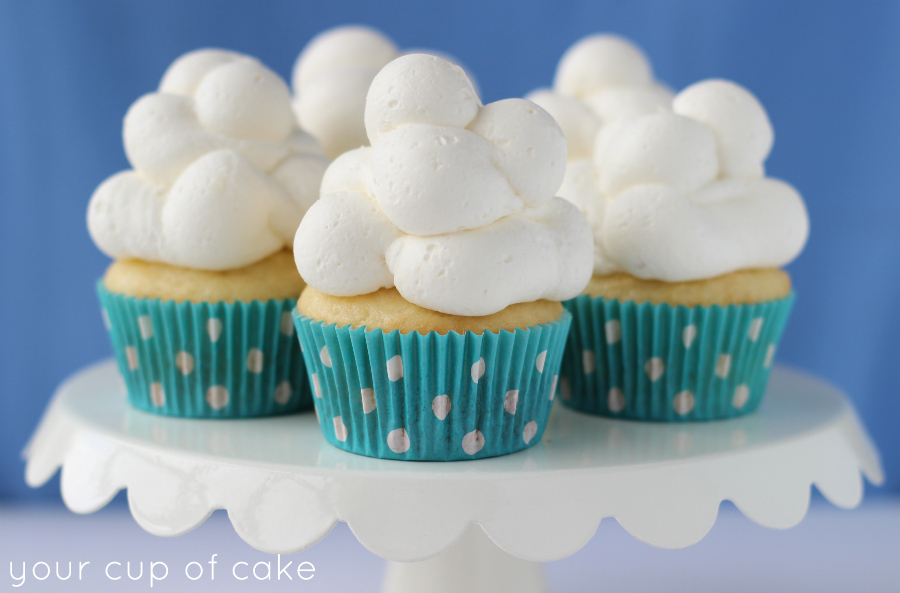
x=199, y=296
x=683, y=315
x=436, y=260
x=330, y=80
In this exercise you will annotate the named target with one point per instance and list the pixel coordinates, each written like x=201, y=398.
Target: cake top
x=221, y=173
x=682, y=195
x=331, y=79
x=453, y=203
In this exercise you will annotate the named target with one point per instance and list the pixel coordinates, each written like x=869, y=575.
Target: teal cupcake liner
x=669, y=363
x=207, y=360
x=432, y=397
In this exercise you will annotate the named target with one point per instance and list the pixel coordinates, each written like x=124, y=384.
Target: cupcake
x=199, y=296
x=331, y=78
x=682, y=318
x=436, y=260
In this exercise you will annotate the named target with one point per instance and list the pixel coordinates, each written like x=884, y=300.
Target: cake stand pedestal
x=469, y=526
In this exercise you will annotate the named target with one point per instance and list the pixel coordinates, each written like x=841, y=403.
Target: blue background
x=828, y=74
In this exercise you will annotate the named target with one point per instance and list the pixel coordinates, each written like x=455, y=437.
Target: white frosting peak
x=600, y=62
x=222, y=175
x=600, y=80
x=739, y=122
x=352, y=46
x=453, y=203
x=331, y=79
x=419, y=89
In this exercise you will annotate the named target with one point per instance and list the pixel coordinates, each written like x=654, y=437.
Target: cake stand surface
x=284, y=487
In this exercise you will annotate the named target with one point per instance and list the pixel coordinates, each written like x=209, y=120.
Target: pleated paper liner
x=669, y=363
x=207, y=360
x=432, y=397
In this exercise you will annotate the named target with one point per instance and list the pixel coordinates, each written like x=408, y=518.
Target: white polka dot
x=317, y=389
x=553, y=386
x=283, y=393
x=683, y=442
x=741, y=395
x=255, y=360
x=540, y=360
x=770, y=356
x=688, y=335
x=655, y=367
x=368, y=400
x=146, y=326
x=588, y=362
x=340, y=431
x=395, y=368
x=615, y=400
x=217, y=397
x=214, y=329
x=287, y=323
x=184, y=362
x=478, y=370
x=473, y=442
x=723, y=365
x=316, y=410
x=106, y=322
x=511, y=401
x=613, y=331
x=398, y=440
x=131, y=358
x=683, y=402
x=564, y=387
x=755, y=328
x=441, y=406
x=529, y=431
x=325, y=357
x=157, y=395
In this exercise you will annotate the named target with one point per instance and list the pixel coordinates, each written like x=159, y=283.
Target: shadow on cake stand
x=483, y=525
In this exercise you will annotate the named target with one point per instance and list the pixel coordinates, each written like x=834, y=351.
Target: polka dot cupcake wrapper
x=669, y=363
x=207, y=360
x=432, y=397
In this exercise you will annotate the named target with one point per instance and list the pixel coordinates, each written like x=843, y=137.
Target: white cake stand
x=284, y=487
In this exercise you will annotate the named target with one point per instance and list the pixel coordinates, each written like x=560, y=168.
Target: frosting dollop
x=453, y=203
x=674, y=186
x=221, y=173
x=682, y=195
x=331, y=81
x=600, y=79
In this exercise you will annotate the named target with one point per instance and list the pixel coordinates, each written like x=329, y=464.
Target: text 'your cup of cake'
x=687, y=303
x=436, y=260
x=199, y=296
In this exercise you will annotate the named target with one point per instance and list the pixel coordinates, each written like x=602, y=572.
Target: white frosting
x=674, y=188
x=222, y=175
x=682, y=196
x=601, y=79
x=453, y=203
x=600, y=62
x=331, y=79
